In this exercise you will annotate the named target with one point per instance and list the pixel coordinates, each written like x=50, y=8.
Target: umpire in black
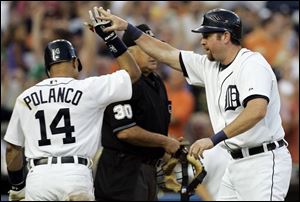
x=135, y=136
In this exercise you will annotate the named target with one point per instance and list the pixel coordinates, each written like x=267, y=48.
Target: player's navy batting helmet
x=221, y=20
x=57, y=51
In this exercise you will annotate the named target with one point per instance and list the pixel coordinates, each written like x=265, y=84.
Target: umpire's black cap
x=128, y=40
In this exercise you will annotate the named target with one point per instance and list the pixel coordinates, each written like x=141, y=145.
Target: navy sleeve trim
x=251, y=97
x=182, y=66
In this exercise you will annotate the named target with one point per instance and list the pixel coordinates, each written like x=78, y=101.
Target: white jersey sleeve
x=255, y=79
x=113, y=87
x=193, y=67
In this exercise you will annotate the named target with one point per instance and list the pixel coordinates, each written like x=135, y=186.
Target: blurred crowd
x=271, y=28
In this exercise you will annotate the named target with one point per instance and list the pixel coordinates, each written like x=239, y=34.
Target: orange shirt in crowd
x=260, y=41
x=182, y=108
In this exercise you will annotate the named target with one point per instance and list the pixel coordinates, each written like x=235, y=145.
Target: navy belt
x=64, y=159
x=236, y=154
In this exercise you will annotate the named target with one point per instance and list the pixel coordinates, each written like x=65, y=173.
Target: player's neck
x=231, y=55
x=62, y=70
x=61, y=75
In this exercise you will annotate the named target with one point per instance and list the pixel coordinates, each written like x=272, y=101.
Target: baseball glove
x=170, y=180
x=196, y=163
x=169, y=177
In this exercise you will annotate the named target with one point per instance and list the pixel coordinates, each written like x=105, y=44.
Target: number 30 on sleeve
x=122, y=111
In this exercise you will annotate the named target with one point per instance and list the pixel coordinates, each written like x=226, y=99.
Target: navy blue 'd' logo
x=232, y=98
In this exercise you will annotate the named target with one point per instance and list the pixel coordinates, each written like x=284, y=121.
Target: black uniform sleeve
x=120, y=116
x=122, y=113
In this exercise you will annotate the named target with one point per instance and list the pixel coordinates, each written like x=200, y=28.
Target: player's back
x=63, y=116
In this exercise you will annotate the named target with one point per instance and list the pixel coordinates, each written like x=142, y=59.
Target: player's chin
x=210, y=57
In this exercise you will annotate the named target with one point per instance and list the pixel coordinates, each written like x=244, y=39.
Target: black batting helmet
x=57, y=51
x=221, y=20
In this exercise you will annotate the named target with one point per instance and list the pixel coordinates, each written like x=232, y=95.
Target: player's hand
x=97, y=25
x=117, y=23
x=199, y=146
x=172, y=145
x=16, y=195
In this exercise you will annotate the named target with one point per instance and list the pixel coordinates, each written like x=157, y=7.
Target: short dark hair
x=233, y=40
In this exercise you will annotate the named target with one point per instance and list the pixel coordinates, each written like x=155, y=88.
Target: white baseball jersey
x=63, y=116
x=248, y=76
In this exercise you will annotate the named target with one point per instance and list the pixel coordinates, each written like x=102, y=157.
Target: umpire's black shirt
x=148, y=108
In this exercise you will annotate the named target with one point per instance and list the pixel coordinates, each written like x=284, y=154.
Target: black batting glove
x=98, y=26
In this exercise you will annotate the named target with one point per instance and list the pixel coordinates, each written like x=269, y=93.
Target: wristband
x=220, y=136
x=116, y=47
x=16, y=179
x=134, y=32
x=18, y=187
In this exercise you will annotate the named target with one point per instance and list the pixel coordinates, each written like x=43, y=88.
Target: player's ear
x=227, y=36
x=77, y=64
x=74, y=63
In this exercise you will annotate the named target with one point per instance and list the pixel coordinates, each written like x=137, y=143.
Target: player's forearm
x=163, y=52
x=141, y=137
x=159, y=50
x=127, y=62
x=114, y=44
x=15, y=168
x=14, y=157
x=252, y=114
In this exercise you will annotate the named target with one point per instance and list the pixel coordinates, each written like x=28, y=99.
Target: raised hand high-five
x=98, y=25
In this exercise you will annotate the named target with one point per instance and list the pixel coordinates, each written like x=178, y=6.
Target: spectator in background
x=293, y=134
x=182, y=103
x=271, y=39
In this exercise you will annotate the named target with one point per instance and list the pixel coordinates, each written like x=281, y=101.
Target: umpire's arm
x=140, y=137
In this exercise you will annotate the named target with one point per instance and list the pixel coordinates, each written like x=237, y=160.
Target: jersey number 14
x=67, y=128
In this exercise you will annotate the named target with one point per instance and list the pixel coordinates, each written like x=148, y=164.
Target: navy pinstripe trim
x=271, y=196
x=185, y=74
x=251, y=97
x=124, y=127
x=221, y=94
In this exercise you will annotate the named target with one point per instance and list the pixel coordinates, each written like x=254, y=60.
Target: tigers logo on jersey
x=232, y=100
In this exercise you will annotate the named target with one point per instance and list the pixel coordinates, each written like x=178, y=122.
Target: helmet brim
x=209, y=29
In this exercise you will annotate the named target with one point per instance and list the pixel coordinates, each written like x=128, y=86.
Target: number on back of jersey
x=67, y=129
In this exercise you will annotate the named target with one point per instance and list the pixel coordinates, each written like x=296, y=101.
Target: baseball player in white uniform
x=58, y=122
x=243, y=103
